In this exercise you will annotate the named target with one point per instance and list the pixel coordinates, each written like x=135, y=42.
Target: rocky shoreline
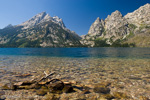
x=74, y=79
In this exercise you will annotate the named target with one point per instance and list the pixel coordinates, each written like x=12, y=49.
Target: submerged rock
x=85, y=92
x=42, y=92
x=67, y=89
x=2, y=93
x=8, y=87
x=106, y=97
x=143, y=98
x=23, y=75
x=120, y=95
x=102, y=90
x=55, y=85
x=23, y=85
x=52, y=96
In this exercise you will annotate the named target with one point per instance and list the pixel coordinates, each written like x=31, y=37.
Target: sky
x=78, y=15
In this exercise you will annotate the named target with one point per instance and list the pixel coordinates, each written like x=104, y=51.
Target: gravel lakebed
x=90, y=78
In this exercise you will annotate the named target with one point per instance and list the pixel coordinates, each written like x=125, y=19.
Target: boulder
x=55, y=85
x=102, y=90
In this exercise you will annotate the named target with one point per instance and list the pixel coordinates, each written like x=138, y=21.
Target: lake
x=126, y=69
x=79, y=52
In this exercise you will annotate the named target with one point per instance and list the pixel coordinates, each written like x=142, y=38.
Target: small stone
x=89, y=86
x=111, y=72
x=2, y=93
x=51, y=97
x=85, y=92
x=8, y=87
x=67, y=83
x=2, y=98
x=5, y=87
x=102, y=90
x=135, y=78
x=23, y=75
x=42, y=83
x=1, y=85
x=18, y=84
x=81, y=97
x=103, y=84
x=31, y=98
x=106, y=96
x=73, y=82
x=86, y=87
x=28, y=82
x=67, y=89
x=143, y=98
x=35, y=86
x=64, y=96
x=42, y=92
x=23, y=87
x=120, y=95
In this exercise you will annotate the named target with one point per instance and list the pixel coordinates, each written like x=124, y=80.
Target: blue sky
x=78, y=15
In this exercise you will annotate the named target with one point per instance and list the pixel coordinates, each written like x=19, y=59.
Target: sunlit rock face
x=139, y=16
x=42, y=30
x=116, y=26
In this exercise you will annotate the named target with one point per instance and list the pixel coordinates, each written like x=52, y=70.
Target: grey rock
x=41, y=30
x=40, y=18
x=102, y=90
x=116, y=26
x=2, y=93
x=97, y=27
x=139, y=16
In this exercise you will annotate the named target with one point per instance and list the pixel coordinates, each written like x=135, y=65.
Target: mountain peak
x=35, y=20
x=59, y=21
x=116, y=13
x=39, y=31
x=146, y=5
x=40, y=18
x=96, y=27
x=9, y=25
x=42, y=13
x=139, y=16
x=98, y=19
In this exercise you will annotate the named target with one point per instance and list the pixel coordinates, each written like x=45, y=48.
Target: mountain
x=132, y=29
x=8, y=26
x=41, y=30
x=116, y=30
x=40, y=18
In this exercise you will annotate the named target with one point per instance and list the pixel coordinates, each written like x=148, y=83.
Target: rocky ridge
x=40, y=18
x=116, y=30
x=117, y=27
x=139, y=16
x=41, y=30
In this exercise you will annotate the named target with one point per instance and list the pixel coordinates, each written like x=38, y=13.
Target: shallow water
x=128, y=69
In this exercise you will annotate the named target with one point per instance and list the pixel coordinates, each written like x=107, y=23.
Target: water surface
x=79, y=52
x=127, y=69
